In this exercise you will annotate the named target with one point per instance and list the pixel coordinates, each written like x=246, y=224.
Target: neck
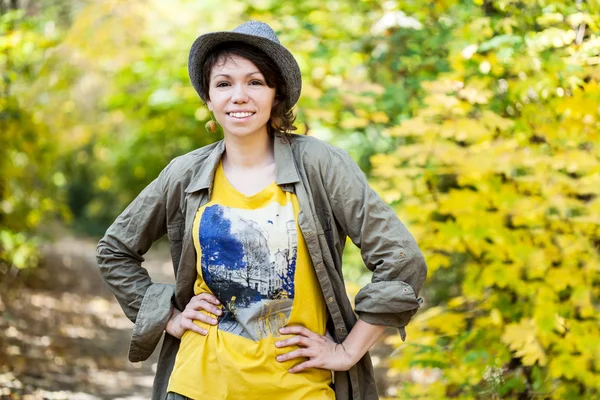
x=252, y=151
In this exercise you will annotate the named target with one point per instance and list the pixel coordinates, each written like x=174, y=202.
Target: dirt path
x=63, y=335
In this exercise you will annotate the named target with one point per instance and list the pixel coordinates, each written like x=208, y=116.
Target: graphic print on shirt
x=248, y=261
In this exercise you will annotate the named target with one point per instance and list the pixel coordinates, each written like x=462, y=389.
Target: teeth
x=241, y=114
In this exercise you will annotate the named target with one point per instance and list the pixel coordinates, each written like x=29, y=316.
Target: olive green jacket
x=335, y=202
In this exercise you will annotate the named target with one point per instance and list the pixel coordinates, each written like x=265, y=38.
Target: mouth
x=240, y=115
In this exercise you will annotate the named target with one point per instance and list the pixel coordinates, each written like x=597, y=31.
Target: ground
x=63, y=335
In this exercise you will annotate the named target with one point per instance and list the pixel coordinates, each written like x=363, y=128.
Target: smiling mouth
x=240, y=114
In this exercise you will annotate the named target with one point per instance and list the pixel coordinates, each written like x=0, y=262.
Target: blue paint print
x=287, y=277
x=220, y=248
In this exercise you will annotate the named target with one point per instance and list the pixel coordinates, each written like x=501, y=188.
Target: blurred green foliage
x=477, y=120
x=29, y=184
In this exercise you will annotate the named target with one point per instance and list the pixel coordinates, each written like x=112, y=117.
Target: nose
x=239, y=96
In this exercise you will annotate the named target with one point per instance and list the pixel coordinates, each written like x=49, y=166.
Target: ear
x=209, y=105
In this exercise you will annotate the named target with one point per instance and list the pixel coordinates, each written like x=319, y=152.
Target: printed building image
x=270, y=274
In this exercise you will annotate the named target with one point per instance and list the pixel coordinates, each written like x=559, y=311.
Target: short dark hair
x=282, y=119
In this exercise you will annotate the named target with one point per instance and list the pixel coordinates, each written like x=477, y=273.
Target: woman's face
x=239, y=97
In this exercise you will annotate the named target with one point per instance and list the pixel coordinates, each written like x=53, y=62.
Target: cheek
x=216, y=104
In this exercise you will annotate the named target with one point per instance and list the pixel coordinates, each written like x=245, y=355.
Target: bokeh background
x=478, y=121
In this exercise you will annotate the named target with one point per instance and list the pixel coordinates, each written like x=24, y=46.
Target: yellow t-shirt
x=251, y=255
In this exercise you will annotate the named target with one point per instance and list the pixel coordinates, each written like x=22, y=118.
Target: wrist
x=352, y=354
x=171, y=328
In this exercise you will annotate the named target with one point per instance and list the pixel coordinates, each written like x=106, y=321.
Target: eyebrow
x=229, y=76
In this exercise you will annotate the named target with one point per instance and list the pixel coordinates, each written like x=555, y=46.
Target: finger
x=299, y=330
x=190, y=326
x=211, y=298
x=296, y=340
x=199, y=316
x=206, y=306
x=307, y=353
x=302, y=366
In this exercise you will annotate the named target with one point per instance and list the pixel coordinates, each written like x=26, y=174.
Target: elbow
x=103, y=251
x=418, y=271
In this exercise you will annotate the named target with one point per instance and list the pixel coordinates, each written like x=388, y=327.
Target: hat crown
x=254, y=33
x=257, y=28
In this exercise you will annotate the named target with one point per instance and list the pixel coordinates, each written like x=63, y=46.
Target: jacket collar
x=285, y=167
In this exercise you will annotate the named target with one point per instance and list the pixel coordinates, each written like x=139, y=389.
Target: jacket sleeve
x=120, y=256
x=387, y=247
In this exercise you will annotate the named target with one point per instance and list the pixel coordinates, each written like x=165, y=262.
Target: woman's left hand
x=322, y=352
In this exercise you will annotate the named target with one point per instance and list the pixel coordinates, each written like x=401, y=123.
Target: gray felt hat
x=257, y=34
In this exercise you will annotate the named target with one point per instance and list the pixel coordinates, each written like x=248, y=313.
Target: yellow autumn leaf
x=415, y=126
x=521, y=338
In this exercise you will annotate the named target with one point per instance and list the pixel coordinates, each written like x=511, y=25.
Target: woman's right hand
x=183, y=321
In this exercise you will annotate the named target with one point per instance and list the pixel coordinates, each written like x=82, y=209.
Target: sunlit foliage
x=477, y=120
x=499, y=175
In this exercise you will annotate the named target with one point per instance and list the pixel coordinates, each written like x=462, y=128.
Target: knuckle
x=201, y=317
x=207, y=319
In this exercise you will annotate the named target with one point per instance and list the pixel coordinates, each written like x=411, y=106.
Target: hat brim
x=290, y=71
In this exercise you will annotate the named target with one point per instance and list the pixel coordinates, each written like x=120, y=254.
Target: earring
x=211, y=126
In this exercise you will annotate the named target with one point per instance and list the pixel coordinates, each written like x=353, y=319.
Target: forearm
x=361, y=338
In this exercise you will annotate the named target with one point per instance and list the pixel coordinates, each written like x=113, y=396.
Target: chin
x=245, y=131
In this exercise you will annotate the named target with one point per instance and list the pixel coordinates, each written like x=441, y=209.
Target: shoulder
x=192, y=159
x=314, y=151
x=183, y=168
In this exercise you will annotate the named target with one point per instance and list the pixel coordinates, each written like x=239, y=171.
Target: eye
x=256, y=82
x=222, y=84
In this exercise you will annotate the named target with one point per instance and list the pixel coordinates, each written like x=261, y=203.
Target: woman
x=257, y=225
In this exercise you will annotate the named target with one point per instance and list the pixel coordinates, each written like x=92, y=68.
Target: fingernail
x=279, y=358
